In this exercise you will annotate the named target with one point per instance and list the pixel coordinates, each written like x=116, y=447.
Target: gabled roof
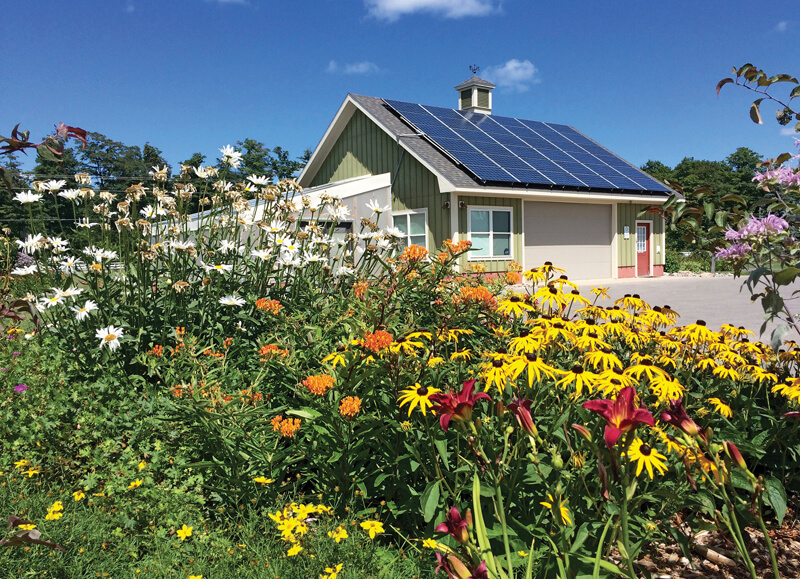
x=452, y=175
x=475, y=81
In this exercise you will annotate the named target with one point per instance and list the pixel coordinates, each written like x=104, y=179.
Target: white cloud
x=782, y=26
x=516, y=75
x=391, y=10
x=790, y=132
x=365, y=67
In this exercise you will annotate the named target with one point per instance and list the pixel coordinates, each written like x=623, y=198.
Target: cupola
x=475, y=95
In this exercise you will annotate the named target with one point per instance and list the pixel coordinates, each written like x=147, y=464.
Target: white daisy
x=394, y=232
x=31, y=243
x=261, y=253
x=220, y=267
x=232, y=301
x=259, y=180
x=28, y=197
x=70, y=264
x=25, y=270
x=86, y=224
x=375, y=207
x=109, y=336
x=52, y=185
x=339, y=212
x=70, y=194
x=83, y=313
x=231, y=156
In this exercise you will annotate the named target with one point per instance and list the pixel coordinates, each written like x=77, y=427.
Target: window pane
x=418, y=240
x=479, y=221
x=401, y=222
x=402, y=242
x=417, y=225
x=480, y=245
x=501, y=244
x=501, y=221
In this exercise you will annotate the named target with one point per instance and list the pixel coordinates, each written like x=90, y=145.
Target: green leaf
x=429, y=501
x=786, y=276
x=755, y=113
x=709, y=209
x=776, y=340
x=441, y=447
x=580, y=538
x=775, y=496
x=706, y=503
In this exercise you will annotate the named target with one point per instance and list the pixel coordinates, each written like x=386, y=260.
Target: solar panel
x=510, y=150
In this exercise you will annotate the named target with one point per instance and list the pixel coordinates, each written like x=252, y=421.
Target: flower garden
x=242, y=393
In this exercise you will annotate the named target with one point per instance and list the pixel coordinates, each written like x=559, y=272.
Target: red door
x=642, y=249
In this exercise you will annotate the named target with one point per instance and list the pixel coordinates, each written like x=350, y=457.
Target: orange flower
x=360, y=288
x=227, y=342
x=270, y=350
x=273, y=306
x=287, y=427
x=180, y=331
x=350, y=406
x=476, y=295
x=156, y=351
x=413, y=254
x=458, y=247
x=513, y=278
x=375, y=342
x=319, y=384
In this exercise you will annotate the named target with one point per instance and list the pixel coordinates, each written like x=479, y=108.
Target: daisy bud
x=583, y=431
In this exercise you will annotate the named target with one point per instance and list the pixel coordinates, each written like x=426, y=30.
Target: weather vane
x=474, y=68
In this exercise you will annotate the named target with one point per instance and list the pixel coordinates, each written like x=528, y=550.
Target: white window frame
x=490, y=209
x=423, y=211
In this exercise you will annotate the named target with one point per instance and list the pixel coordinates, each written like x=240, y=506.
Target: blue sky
x=195, y=75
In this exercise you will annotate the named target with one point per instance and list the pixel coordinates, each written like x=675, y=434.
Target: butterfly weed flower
x=350, y=406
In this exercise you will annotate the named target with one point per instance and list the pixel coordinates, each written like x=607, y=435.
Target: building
x=519, y=190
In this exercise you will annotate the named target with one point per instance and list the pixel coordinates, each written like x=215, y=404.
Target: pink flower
x=621, y=414
x=456, y=406
x=20, y=388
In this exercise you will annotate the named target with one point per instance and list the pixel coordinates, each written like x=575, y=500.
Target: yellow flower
x=601, y=292
x=430, y=544
x=32, y=471
x=418, y=395
x=294, y=550
x=332, y=572
x=562, y=507
x=721, y=407
x=263, y=480
x=435, y=361
x=27, y=527
x=374, y=528
x=143, y=464
x=465, y=355
x=184, y=532
x=522, y=554
x=195, y=577
x=338, y=534
x=54, y=512
x=135, y=484
x=646, y=456
x=21, y=463
x=78, y=495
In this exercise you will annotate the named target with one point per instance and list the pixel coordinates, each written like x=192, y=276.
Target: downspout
x=402, y=152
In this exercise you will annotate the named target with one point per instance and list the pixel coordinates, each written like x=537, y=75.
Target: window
x=413, y=226
x=490, y=233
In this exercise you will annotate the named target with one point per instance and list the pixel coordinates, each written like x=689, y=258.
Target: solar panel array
x=510, y=150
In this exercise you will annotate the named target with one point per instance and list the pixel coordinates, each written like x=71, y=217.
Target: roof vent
x=475, y=94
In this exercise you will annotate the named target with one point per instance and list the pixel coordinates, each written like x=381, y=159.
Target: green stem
x=502, y=514
x=767, y=540
x=625, y=532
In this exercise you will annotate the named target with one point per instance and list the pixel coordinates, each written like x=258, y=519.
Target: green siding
x=516, y=228
x=363, y=148
x=627, y=215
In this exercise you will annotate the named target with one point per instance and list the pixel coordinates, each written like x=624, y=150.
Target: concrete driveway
x=717, y=300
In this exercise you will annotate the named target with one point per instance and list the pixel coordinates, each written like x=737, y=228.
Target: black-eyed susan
x=525, y=342
x=643, y=364
x=558, y=505
x=408, y=346
x=759, y=374
x=575, y=298
x=418, y=395
x=542, y=273
x=632, y=302
x=496, y=372
x=513, y=305
x=600, y=293
x=550, y=298
x=726, y=372
x=602, y=359
x=559, y=330
x=666, y=388
x=578, y=377
x=697, y=334
x=721, y=407
x=647, y=457
x=461, y=355
x=533, y=365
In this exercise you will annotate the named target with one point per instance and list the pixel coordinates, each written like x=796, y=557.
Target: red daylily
x=455, y=526
x=456, y=406
x=522, y=410
x=677, y=417
x=456, y=569
x=621, y=414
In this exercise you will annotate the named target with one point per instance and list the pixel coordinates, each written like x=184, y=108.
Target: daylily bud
x=583, y=431
x=468, y=518
x=734, y=454
x=459, y=569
